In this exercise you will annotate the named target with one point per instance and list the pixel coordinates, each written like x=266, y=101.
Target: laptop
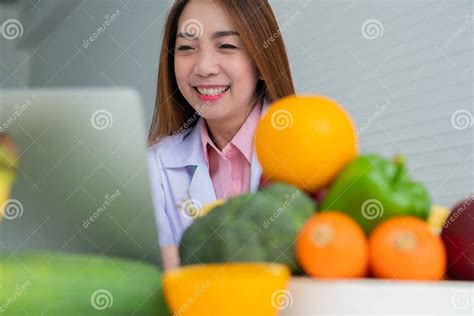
x=83, y=182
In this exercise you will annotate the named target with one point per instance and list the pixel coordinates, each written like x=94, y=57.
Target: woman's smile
x=215, y=66
x=211, y=92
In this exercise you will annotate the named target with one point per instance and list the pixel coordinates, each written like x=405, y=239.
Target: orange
x=332, y=245
x=305, y=141
x=404, y=247
x=253, y=288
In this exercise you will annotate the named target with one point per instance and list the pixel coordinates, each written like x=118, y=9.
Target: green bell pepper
x=372, y=189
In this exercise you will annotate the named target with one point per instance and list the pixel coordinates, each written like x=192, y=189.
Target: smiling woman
x=187, y=33
x=217, y=75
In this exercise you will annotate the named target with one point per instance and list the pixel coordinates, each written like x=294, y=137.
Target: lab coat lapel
x=201, y=188
x=255, y=173
x=256, y=169
x=189, y=155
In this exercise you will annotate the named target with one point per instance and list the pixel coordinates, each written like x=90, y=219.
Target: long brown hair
x=255, y=22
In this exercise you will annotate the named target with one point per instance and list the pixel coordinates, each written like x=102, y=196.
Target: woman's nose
x=206, y=65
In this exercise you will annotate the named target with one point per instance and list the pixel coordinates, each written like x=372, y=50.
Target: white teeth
x=213, y=92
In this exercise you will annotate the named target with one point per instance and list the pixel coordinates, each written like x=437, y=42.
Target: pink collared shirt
x=230, y=168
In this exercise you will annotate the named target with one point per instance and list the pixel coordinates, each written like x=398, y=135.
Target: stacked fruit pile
x=374, y=218
x=327, y=211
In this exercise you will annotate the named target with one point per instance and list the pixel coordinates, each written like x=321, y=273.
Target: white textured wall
x=409, y=88
x=402, y=88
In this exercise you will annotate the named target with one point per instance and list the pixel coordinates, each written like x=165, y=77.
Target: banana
x=210, y=206
x=437, y=217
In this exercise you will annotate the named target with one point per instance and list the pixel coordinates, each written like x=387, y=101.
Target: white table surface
x=378, y=297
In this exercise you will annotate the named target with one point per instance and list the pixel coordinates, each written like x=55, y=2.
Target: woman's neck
x=223, y=131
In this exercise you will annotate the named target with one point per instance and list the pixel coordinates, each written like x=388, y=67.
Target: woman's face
x=213, y=69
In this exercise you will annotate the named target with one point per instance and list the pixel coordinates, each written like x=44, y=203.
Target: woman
x=222, y=62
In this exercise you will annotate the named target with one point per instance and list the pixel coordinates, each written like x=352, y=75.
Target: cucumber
x=46, y=283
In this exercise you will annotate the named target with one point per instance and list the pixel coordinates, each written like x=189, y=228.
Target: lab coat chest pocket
x=179, y=180
x=192, y=189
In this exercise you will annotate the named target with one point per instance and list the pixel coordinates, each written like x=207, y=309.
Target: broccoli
x=262, y=227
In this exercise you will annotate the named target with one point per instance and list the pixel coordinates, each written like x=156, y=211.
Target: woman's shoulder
x=166, y=143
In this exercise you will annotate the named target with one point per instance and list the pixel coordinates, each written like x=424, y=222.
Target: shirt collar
x=243, y=140
x=205, y=139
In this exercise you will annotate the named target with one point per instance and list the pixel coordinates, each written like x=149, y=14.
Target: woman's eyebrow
x=214, y=36
x=225, y=33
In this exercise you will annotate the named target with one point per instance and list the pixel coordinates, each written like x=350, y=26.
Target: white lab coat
x=178, y=174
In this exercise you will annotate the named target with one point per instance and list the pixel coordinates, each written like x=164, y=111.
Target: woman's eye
x=184, y=48
x=228, y=46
